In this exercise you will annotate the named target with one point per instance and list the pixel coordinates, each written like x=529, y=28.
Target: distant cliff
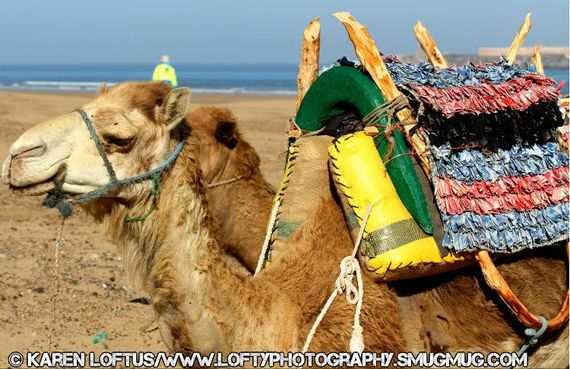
x=549, y=60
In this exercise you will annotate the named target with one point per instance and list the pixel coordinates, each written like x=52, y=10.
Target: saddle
x=490, y=179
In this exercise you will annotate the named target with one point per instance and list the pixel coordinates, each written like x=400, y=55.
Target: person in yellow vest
x=165, y=72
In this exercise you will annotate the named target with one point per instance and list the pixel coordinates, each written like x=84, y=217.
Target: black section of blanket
x=492, y=131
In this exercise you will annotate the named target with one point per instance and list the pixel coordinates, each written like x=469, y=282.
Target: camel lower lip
x=6, y=170
x=35, y=189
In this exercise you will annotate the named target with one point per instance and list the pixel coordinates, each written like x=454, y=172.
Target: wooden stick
x=496, y=282
x=429, y=46
x=370, y=58
x=537, y=58
x=519, y=39
x=309, y=65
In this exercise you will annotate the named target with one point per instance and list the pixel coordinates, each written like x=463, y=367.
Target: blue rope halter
x=60, y=200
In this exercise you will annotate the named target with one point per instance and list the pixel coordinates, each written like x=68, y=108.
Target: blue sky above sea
x=256, y=32
x=246, y=46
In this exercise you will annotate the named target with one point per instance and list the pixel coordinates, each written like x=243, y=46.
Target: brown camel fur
x=424, y=303
x=196, y=296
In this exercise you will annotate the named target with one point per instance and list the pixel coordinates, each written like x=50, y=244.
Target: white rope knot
x=348, y=268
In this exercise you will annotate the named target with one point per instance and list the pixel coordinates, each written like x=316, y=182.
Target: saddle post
x=496, y=281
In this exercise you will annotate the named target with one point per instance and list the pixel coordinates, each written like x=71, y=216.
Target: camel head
x=135, y=123
x=224, y=154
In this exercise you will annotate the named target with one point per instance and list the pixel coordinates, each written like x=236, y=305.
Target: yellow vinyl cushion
x=393, y=246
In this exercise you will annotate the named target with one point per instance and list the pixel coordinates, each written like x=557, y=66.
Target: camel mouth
x=17, y=176
x=36, y=189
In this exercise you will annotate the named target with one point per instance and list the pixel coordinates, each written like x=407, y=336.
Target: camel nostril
x=34, y=151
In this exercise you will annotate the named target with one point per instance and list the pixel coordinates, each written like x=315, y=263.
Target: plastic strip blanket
x=504, y=186
x=480, y=105
x=503, y=201
x=515, y=94
x=468, y=75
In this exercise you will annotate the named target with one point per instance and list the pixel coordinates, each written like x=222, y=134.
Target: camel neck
x=200, y=302
x=180, y=262
x=179, y=232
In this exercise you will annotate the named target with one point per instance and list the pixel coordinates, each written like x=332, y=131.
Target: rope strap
x=65, y=202
x=115, y=183
x=225, y=182
x=100, y=148
x=385, y=116
x=155, y=194
x=349, y=267
x=59, y=242
x=387, y=111
x=534, y=336
x=268, y=233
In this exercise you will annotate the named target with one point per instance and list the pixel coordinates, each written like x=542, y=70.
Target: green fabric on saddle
x=286, y=228
x=342, y=90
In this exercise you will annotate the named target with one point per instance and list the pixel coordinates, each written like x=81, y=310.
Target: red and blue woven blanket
x=500, y=181
x=502, y=201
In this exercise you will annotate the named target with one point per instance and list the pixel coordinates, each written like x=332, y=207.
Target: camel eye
x=117, y=141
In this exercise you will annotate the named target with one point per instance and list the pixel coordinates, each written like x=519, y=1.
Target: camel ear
x=226, y=133
x=175, y=107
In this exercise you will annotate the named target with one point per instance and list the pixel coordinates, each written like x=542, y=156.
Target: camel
x=427, y=306
x=197, y=298
x=239, y=198
x=429, y=310
x=199, y=301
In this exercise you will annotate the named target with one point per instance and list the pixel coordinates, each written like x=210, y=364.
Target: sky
x=256, y=31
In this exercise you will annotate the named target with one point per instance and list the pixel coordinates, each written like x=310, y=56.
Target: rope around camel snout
x=349, y=267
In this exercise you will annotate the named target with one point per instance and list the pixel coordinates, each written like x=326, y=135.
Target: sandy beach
x=94, y=296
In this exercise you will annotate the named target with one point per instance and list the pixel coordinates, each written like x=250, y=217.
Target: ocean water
x=211, y=79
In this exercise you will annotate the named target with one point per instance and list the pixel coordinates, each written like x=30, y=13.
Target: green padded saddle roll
x=342, y=90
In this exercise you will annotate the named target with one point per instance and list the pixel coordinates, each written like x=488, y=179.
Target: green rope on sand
x=99, y=338
x=155, y=194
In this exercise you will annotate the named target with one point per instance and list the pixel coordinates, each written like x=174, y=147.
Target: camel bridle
x=64, y=203
x=114, y=183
